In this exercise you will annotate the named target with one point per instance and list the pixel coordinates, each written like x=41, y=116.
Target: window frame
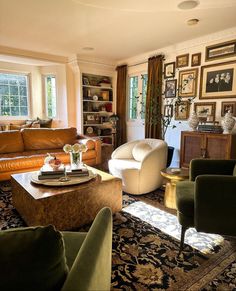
x=28, y=88
x=45, y=101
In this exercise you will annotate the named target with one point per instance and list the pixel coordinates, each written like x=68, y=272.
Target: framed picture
x=169, y=70
x=168, y=110
x=218, y=81
x=90, y=117
x=196, y=60
x=85, y=81
x=188, y=83
x=170, y=89
x=205, y=111
x=182, y=61
x=221, y=50
x=226, y=106
x=182, y=110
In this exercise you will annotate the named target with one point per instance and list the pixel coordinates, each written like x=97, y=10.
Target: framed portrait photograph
x=226, y=106
x=218, y=81
x=169, y=70
x=196, y=60
x=168, y=110
x=221, y=50
x=182, y=110
x=188, y=83
x=170, y=88
x=182, y=61
x=205, y=111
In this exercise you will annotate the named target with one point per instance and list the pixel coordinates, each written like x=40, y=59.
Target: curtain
x=154, y=98
x=121, y=91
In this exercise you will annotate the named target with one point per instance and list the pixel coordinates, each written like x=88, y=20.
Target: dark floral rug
x=145, y=246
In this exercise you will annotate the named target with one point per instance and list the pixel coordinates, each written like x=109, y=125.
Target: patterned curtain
x=154, y=98
x=121, y=91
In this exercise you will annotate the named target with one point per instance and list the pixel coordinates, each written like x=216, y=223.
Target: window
x=137, y=96
x=51, y=96
x=14, y=96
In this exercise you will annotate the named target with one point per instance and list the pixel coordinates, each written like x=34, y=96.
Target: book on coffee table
x=47, y=170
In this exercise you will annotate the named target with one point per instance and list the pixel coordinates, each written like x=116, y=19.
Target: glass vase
x=75, y=160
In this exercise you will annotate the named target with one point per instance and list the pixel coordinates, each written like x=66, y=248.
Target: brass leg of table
x=170, y=195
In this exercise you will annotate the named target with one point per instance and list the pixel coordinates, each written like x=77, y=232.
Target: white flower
x=67, y=148
x=76, y=148
x=83, y=148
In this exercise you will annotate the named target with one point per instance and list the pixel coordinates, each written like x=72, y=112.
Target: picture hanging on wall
x=182, y=61
x=205, y=111
x=228, y=106
x=169, y=70
x=182, y=110
x=221, y=50
x=196, y=60
x=168, y=110
x=170, y=88
x=218, y=81
x=188, y=83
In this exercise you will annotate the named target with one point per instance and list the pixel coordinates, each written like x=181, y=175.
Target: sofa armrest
x=93, y=143
x=215, y=204
x=207, y=166
x=124, y=151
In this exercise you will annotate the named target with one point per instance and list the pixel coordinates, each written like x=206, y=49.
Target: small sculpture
x=228, y=122
x=193, y=121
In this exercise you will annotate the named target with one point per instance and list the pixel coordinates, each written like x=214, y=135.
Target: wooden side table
x=173, y=175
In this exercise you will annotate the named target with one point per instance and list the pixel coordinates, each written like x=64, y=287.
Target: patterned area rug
x=145, y=246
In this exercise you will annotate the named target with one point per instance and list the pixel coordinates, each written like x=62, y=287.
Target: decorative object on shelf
x=196, y=60
x=105, y=95
x=228, y=122
x=221, y=50
x=226, y=106
x=89, y=130
x=182, y=61
x=108, y=107
x=85, y=81
x=105, y=82
x=188, y=83
x=169, y=70
x=170, y=88
x=218, y=81
x=182, y=110
x=205, y=111
x=95, y=97
x=193, y=121
x=75, y=152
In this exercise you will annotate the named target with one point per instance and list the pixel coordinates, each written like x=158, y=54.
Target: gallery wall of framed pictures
x=203, y=81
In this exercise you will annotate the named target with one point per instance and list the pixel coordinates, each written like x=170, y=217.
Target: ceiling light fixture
x=88, y=48
x=193, y=21
x=187, y=5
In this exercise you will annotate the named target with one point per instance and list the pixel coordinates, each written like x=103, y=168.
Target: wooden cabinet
x=206, y=145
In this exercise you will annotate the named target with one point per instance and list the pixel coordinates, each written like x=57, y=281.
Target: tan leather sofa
x=25, y=150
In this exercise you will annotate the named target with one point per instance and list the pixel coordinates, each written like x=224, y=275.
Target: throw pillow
x=32, y=258
x=45, y=123
x=19, y=127
x=234, y=171
x=140, y=150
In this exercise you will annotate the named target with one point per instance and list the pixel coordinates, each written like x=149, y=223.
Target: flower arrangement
x=75, y=152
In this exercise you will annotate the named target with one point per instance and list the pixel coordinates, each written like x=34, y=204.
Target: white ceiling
x=116, y=29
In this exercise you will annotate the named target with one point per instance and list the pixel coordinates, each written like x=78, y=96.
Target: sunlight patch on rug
x=168, y=223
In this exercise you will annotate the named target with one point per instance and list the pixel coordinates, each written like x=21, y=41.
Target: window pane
x=144, y=94
x=133, y=97
x=12, y=87
x=51, y=98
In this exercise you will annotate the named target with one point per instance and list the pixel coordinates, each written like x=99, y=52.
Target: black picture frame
x=220, y=50
x=169, y=70
x=170, y=88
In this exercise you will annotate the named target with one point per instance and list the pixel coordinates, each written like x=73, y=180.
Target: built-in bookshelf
x=97, y=106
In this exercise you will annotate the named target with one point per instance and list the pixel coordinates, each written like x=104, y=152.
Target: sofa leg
x=183, y=230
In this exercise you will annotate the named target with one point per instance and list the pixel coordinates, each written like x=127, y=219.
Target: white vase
x=228, y=122
x=75, y=160
x=193, y=121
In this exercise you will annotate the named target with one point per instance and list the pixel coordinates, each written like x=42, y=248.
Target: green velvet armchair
x=207, y=201
x=42, y=258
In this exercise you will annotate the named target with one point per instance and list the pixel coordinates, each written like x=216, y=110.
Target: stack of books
x=80, y=172
x=46, y=172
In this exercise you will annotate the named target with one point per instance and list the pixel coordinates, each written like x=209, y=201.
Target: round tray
x=56, y=182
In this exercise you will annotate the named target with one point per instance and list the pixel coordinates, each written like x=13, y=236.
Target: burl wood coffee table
x=66, y=207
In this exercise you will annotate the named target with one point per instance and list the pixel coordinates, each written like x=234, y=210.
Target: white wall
x=193, y=46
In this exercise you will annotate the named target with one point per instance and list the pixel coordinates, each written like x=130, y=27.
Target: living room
x=73, y=47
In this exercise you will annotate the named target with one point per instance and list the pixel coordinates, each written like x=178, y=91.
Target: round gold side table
x=174, y=175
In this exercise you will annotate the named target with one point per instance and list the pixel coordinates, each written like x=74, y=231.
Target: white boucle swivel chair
x=138, y=163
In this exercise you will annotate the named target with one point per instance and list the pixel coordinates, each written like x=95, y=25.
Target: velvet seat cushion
x=32, y=258
x=185, y=198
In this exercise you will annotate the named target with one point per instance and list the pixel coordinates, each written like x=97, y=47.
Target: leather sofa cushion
x=37, y=138
x=11, y=142
x=33, y=259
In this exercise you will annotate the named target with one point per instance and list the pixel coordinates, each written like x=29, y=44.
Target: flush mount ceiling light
x=187, y=5
x=193, y=21
x=88, y=48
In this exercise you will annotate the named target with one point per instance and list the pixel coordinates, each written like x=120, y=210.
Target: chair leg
x=183, y=230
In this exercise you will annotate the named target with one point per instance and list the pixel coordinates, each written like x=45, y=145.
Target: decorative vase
x=228, y=122
x=193, y=121
x=75, y=160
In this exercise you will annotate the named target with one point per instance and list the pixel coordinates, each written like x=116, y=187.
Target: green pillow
x=234, y=171
x=32, y=259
